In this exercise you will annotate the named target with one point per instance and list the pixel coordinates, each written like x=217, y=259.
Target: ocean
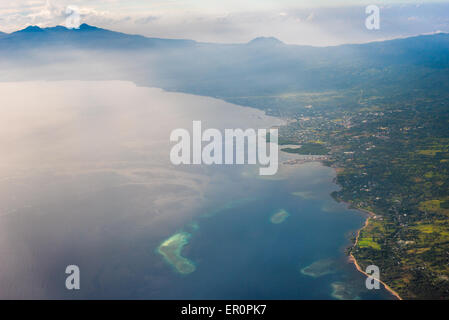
x=85, y=179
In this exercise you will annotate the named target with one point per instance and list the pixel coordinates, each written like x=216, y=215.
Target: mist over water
x=85, y=179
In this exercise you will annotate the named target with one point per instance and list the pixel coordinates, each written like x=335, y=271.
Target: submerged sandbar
x=305, y=195
x=279, y=216
x=320, y=268
x=171, y=249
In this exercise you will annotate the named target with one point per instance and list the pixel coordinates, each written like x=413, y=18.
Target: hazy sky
x=316, y=22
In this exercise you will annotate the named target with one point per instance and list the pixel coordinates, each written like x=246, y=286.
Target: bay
x=85, y=179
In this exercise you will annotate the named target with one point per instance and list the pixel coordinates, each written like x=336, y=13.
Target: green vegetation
x=309, y=149
x=391, y=154
x=434, y=206
x=380, y=110
x=370, y=235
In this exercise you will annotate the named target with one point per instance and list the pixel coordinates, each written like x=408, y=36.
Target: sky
x=312, y=22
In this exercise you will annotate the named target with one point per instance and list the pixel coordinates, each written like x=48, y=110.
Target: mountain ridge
x=237, y=73
x=85, y=36
x=260, y=40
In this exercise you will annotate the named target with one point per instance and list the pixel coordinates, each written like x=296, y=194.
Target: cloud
x=230, y=22
x=310, y=17
x=49, y=12
x=146, y=20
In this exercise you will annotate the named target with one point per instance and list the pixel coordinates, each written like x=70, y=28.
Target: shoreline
x=351, y=257
x=353, y=260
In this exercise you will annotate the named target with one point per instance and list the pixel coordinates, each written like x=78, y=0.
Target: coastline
x=353, y=260
x=351, y=257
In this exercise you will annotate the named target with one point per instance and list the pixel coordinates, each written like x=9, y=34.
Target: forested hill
x=263, y=67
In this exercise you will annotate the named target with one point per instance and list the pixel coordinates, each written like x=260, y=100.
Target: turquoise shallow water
x=240, y=254
x=89, y=182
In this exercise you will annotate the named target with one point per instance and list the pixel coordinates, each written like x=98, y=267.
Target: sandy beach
x=353, y=260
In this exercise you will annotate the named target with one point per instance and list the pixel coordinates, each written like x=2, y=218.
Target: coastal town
x=394, y=164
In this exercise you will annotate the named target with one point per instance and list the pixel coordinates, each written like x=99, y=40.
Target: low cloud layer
x=309, y=24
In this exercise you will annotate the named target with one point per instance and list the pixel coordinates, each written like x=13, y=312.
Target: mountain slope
x=86, y=37
x=241, y=73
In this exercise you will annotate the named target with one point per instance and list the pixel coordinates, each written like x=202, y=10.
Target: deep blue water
x=93, y=186
x=240, y=254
